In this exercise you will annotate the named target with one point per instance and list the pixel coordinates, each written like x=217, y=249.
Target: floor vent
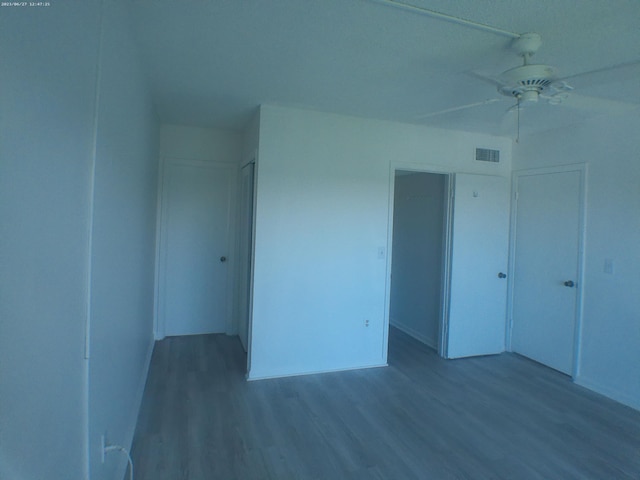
x=487, y=155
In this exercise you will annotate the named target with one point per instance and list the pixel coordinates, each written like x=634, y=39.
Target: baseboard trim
x=252, y=378
x=139, y=395
x=414, y=334
x=611, y=393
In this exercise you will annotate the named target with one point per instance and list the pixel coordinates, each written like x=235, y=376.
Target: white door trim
x=446, y=265
x=252, y=158
x=158, y=330
x=245, y=272
x=582, y=168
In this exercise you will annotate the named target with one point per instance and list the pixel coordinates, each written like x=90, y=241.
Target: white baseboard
x=252, y=377
x=133, y=415
x=139, y=395
x=621, y=397
x=429, y=342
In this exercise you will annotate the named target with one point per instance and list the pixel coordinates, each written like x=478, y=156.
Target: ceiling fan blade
x=604, y=69
x=457, y=109
x=558, y=89
x=595, y=104
x=493, y=80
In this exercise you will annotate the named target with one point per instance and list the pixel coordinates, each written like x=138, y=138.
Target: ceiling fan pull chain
x=518, y=127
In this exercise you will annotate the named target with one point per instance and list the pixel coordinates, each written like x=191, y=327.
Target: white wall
x=610, y=358
x=202, y=144
x=322, y=212
x=418, y=216
x=123, y=246
x=48, y=59
x=77, y=239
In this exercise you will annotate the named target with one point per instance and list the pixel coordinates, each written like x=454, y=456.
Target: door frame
x=242, y=277
x=159, y=327
x=443, y=329
x=582, y=169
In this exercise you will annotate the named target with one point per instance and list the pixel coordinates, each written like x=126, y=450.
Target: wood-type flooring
x=422, y=417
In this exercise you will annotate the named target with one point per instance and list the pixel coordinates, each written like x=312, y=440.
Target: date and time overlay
x=25, y=4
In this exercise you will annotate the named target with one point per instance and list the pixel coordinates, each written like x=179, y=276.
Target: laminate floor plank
x=499, y=417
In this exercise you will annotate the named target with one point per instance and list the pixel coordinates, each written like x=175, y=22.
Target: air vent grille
x=487, y=155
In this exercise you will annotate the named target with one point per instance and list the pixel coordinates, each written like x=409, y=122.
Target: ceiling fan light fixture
x=528, y=96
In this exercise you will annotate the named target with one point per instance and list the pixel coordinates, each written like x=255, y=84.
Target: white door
x=545, y=281
x=194, y=247
x=246, y=252
x=479, y=255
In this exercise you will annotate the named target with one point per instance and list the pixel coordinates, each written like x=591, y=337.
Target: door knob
x=569, y=283
x=502, y=275
x=223, y=259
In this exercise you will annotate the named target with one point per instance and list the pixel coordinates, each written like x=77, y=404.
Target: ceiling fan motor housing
x=527, y=82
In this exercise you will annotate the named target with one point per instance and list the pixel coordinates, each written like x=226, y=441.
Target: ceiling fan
x=532, y=83
x=528, y=83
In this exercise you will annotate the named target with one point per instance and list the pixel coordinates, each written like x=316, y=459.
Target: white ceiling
x=212, y=62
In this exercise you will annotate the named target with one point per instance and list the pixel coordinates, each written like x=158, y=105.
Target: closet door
x=547, y=257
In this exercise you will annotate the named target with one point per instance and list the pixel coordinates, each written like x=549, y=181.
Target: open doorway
x=419, y=246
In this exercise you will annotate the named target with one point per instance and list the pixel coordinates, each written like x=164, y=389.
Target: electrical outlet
x=366, y=323
x=608, y=266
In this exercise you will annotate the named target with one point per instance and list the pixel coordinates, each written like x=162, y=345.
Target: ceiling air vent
x=487, y=155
